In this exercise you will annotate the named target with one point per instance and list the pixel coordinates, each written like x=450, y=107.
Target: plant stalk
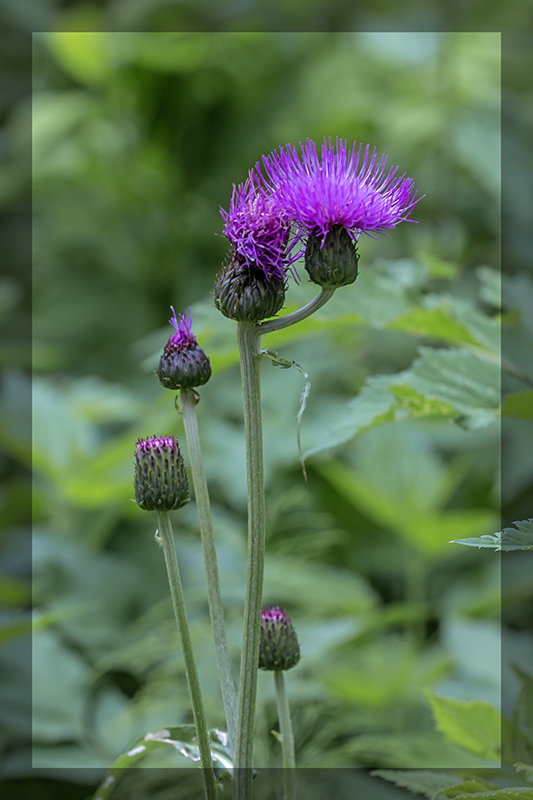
x=178, y=602
x=287, y=737
x=297, y=316
x=248, y=339
x=216, y=609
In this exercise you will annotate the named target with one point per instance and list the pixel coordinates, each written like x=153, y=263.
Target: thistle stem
x=178, y=603
x=296, y=316
x=287, y=738
x=216, y=609
x=248, y=339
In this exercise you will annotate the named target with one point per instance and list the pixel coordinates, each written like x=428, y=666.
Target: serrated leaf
x=472, y=786
x=425, y=782
x=520, y=793
x=518, y=538
x=473, y=725
x=180, y=738
x=466, y=380
x=454, y=384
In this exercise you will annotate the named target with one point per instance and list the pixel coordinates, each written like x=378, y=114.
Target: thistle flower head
x=160, y=478
x=257, y=229
x=278, y=643
x=183, y=364
x=342, y=186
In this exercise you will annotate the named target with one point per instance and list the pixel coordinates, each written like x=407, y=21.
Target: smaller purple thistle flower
x=251, y=287
x=278, y=643
x=257, y=230
x=160, y=478
x=183, y=364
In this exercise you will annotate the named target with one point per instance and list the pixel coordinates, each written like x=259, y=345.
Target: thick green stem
x=216, y=609
x=287, y=738
x=248, y=336
x=178, y=601
x=248, y=339
x=296, y=316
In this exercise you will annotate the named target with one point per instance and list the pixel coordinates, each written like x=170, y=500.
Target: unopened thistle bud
x=278, y=644
x=331, y=260
x=160, y=478
x=183, y=364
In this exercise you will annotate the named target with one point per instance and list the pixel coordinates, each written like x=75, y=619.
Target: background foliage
x=137, y=140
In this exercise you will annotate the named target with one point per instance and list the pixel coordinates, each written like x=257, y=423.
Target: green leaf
x=527, y=769
x=473, y=725
x=519, y=405
x=466, y=380
x=520, y=793
x=518, y=538
x=426, y=782
x=468, y=787
x=181, y=739
x=455, y=384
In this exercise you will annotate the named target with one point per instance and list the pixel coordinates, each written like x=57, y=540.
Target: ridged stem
x=214, y=595
x=248, y=340
x=178, y=602
x=287, y=738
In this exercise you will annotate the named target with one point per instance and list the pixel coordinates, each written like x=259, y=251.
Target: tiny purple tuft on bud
x=160, y=478
x=183, y=364
x=278, y=643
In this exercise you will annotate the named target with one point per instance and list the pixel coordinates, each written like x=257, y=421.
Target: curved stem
x=287, y=738
x=178, y=603
x=248, y=339
x=296, y=316
x=216, y=609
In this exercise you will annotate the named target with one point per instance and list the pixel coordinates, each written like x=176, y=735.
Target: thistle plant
x=161, y=485
x=293, y=203
x=184, y=365
x=279, y=651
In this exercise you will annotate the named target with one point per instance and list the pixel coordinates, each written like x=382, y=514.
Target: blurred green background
x=137, y=139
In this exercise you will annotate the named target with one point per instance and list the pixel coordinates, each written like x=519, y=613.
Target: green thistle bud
x=160, y=478
x=331, y=261
x=183, y=365
x=247, y=293
x=278, y=644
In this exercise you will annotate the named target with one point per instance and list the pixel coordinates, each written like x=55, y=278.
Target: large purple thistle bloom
x=257, y=229
x=341, y=187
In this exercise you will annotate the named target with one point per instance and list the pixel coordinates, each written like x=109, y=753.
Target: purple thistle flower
x=257, y=230
x=183, y=364
x=339, y=188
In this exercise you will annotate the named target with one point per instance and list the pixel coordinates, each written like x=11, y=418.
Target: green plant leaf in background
x=473, y=725
x=181, y=740
x=518, y=538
